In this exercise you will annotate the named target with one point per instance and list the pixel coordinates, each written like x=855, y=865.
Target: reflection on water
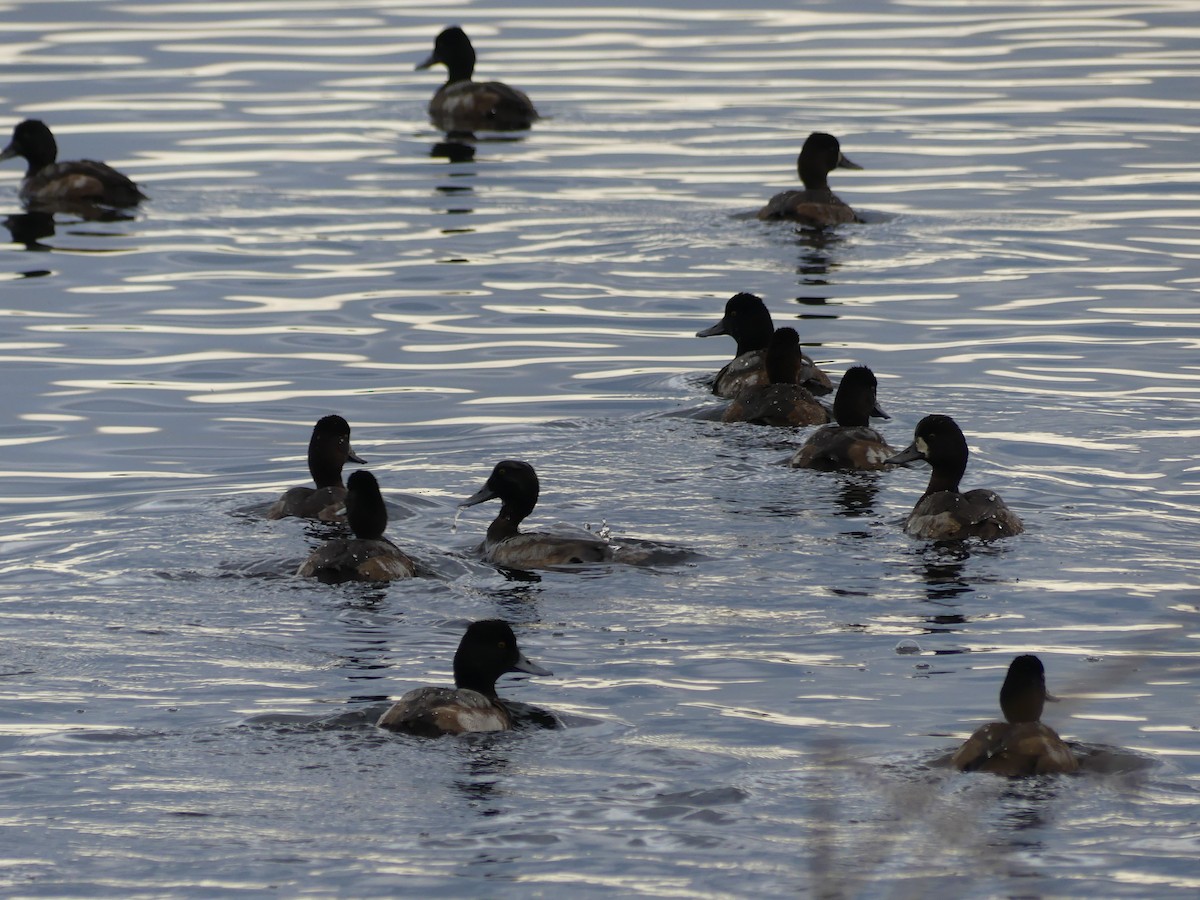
x=313, y=246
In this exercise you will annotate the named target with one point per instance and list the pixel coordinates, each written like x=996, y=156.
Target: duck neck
x=946, y=477
x=848, y=412
x=755, y=335
x=471, y=680
x=813, y=177
x=508, y=521
x=324, y=474
x=460, y=70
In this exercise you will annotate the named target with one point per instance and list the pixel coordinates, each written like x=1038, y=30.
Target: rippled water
x=180, y=715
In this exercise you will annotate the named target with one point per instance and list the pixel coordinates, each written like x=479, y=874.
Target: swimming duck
x=816, y=204
x=368, y=556
x=1020, y=745
x=48, y=182
x=851, y=443
x=487, y=651
x=944, y=513
x=516, y=484
x=748, y=322
x=328, y=450
x=781, y=402
x=462, y=105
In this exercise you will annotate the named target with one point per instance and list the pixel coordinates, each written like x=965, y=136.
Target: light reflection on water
x=313, y=245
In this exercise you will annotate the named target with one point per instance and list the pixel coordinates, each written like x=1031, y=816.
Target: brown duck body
x=328, y=452
x=944, y=513
x=368, y=556
x=1020, y=745
x=462, y=105
x=781, y=402
x=816, y=204
x=487, y=650
x=48, y=183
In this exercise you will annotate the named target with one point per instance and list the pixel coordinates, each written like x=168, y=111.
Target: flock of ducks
x=770, y=381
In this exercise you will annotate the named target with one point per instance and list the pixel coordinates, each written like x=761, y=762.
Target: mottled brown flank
x=356, y=559
x=835, y=447
x=780, y=405
x=950, y=516
x=82, y=181
x=750, y=370
x=810, y=207
x=324, y=504
x=481, y=106
x=1023, y=748
x=537, y=551
x=434, y=711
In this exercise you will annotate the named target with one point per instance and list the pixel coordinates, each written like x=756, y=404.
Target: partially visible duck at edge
x=1020, y=745
x=851, y=443
x=748, y=322
x=368, y=556
x=516, y=485
x=328, y=451
x=487, y=651
x=782, y=402
x=944, y=513
x=462, y=105
x=816, y=204
x=48, y=182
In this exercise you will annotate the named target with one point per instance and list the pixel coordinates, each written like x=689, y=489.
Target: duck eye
x=502, y=645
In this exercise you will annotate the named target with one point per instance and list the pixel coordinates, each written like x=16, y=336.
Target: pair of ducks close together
x=771, y=382
x=460, y=106
x=1020, y=745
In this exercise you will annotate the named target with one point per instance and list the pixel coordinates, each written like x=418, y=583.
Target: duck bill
x=908, y=454
x=523, y=664
x=431, y=61
x=713, y=330
x=482, y=495
x=877, y=412
x=844, y=162
x=354, y=457
x=8, y=152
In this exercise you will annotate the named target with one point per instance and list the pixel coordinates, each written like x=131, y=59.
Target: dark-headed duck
x=816, y=204
x=47, y=182
x=463, y=105
x=748, y=322
x=516, y=484
x=1020, y=745
x=782, y=402
x=368, y=556
x=851, y=443
x=328, y=451
x=487, y=651
x=944, y=513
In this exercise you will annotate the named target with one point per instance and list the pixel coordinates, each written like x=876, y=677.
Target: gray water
x=179, y=715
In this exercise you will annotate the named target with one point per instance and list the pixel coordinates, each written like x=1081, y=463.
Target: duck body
x=1022, y=744
x=328, y=451
x=487, y=650
x=368, y=556
x=462, y=105
x=49, y=183
x=816, y=204
x=781, y=402
x=851, y=443
x=944, y=513
x=516, y=484
x=748, y=321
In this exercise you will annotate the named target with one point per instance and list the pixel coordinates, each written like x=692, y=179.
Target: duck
x=368, y=556
x=462, y=105
x=328, y=451
x=781, y=402
x=487, y=650
x=1021, y=744
x=851, y=443
x=815, y=205
x=944, y=513
x=747, y=321
x=47, y=182
x=516, y=484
